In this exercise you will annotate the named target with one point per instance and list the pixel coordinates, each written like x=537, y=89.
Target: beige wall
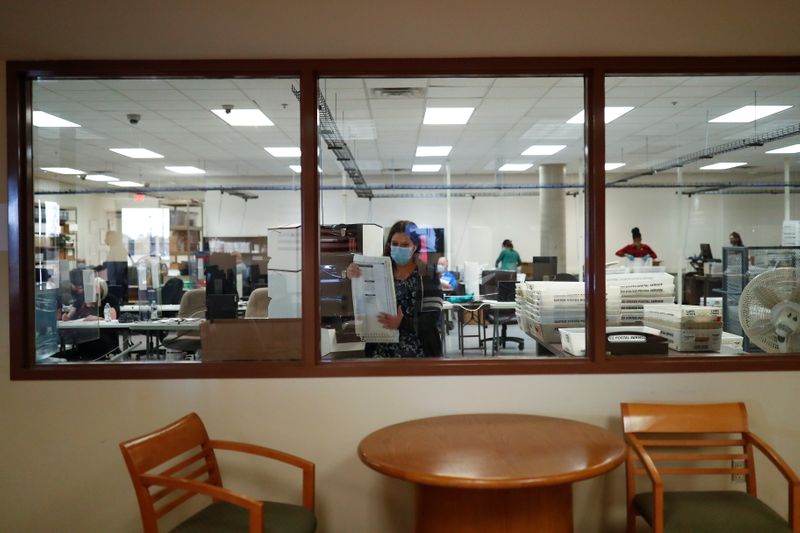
x=60, y=467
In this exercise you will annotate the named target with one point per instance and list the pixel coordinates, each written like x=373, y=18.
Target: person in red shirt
x=637, y=248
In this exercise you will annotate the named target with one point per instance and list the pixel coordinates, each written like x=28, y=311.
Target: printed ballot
x=373, y=293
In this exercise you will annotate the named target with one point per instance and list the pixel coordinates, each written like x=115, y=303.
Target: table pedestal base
x=544, y=510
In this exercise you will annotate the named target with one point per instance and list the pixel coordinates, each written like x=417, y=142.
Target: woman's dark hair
x=635, y=233
x=403, y=226
x=507, y=243
x=737, y=239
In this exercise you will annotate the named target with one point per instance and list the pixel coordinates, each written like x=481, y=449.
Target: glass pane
x=700, y=215
x=452, y=216
x=167, y=220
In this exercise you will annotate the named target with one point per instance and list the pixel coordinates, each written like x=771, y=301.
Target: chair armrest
x=647, y=461
x=788, y=474
x=774, y=458
x=306, y=466
x=253, y=507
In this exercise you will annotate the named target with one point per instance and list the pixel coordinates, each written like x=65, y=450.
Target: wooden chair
x=693, y=440
x=197, y=472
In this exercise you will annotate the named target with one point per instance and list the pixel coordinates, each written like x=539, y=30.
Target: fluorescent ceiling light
x=722, y=166
x=64, y=170
x=126, y=184
x=544, y=149
x=100, y=177
x=283, y=151
x=614, y=166
x=243, y=117
x=433, y=151
x=749, y=113
x=425, y=168
x=612, y=113
x=793, y=149
x=447, y=115
x=186, y=170
x=515, y=167
x=46, y=120
x=299, y=168
x=137, y=153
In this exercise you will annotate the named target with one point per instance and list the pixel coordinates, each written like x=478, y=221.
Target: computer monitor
x=705, y=252
x=221, y=293
x=545, y=268
x=490, y=280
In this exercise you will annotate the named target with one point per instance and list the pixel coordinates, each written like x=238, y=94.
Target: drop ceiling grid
x=205, y=139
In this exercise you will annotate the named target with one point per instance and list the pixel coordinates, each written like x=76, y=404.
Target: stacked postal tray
x=545, y=306
x=688, y=328
x=640, y=289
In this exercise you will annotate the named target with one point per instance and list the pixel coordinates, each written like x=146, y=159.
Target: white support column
x=344, y=197
x=552, y=213
x=787, y=204
x=580, y=229
x=682, y=225
x=447, y=221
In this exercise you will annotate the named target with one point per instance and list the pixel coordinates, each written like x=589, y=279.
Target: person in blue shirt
x=508, y=258
x=446, y=278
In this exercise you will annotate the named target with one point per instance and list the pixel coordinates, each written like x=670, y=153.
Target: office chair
x=700, y=439
x=160, y=491
x=193, y=305
x=172, y=291
x=258, y=304
x=506, y=292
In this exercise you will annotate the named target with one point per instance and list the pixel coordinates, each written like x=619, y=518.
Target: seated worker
x=446, y=278
x=91, y=344
x=508, y=258
x=637, y=248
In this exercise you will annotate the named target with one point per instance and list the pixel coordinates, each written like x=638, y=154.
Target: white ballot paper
x=373, y=293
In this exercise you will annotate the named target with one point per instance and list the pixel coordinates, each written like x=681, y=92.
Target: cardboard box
x=268, y=339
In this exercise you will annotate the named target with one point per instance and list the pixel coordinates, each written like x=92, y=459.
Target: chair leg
x=631, y=523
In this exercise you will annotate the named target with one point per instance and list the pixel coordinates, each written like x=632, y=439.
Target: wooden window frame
x=594, y=70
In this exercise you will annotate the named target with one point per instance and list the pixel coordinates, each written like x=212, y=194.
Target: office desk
x=70, y=330
x=698, y=287
x=135, y=308
x=151, y=329
x=486, y=473
x=478, y=306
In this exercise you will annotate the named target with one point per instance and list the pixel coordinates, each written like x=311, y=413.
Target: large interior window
x=701, y=214
x=369, y=217
x=166, y=220
x=461, y=201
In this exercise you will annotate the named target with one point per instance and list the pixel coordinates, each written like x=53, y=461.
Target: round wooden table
x=492, y=472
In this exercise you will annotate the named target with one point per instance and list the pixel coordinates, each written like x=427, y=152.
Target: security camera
x=228, y=108
x=134, y=118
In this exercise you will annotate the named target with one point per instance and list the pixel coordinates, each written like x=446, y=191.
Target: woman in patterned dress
x=419, y=298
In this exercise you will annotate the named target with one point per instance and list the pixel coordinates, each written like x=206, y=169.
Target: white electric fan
x=769, y=310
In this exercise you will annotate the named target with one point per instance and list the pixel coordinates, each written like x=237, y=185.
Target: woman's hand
x=391, y=321
x=353, y=271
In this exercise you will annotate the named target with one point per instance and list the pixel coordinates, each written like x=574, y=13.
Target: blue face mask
x=401, y=255
x=440, y=269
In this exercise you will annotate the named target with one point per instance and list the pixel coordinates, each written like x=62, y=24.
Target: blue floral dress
x=410, y=344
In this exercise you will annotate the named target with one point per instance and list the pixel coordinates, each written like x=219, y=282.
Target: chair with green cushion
x=193, y=470
x=700, y=439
